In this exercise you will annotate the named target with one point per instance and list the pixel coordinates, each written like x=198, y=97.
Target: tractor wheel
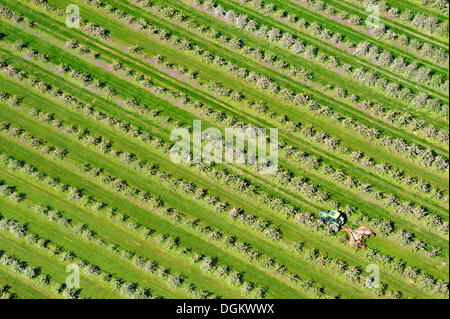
x=335, y=227
x=321, y=220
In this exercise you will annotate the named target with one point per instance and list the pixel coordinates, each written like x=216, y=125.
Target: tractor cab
x=332, y=218
x=334, y=214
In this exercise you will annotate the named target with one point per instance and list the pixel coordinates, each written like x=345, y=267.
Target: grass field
x=86, y=174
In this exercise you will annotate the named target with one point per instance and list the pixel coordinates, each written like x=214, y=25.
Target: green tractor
x=332, y=219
